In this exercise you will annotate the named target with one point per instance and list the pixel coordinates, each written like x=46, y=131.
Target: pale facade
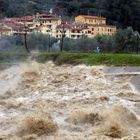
x=72, y=30
x=72, y=33
x=43, y=23
x=47, y=23
x=5, y=31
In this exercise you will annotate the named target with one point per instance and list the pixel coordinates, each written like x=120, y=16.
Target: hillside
x=121, y=13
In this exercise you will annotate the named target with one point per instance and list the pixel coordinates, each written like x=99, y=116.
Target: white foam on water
x=71, y=85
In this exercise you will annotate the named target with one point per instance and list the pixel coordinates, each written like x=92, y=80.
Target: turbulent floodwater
x=81, y=102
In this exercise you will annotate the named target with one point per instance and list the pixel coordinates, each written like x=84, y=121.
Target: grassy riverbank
x=74, y=58
x=91, y=59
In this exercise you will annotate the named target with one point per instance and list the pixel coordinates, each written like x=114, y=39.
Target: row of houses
x=84, y=25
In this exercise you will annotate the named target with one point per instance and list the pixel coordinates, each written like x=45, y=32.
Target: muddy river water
x=84, y=102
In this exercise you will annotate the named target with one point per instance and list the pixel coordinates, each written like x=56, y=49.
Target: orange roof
x=9, y=20
x=92, y=17
x=100, y=25
x=4, y=28
x=27, y=18
x=47, y=16
x=71, y=26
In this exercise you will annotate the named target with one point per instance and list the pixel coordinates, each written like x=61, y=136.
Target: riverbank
x=72, y=58
x=91, y=59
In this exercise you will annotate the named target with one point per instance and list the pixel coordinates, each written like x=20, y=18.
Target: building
x=47, y=23
x=6, y=31
x=90, y=19
x=100, y=29
x=71, y=30
x=96, y=25
x=84, y=25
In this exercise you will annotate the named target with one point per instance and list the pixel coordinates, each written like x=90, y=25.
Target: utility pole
x=62, y=42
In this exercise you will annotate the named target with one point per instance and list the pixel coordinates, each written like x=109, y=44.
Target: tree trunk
x=62, y=42
x=25, y=39
x=49, y=49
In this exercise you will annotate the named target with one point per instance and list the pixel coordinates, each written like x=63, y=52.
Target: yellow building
x=96, y=25
x=101, y=29
x=90, y=19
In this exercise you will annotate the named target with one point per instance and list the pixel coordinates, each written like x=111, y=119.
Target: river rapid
x=83, y=102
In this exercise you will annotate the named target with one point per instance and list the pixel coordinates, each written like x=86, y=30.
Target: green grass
x=74, y=58
x=91, y=59
x=12, y=57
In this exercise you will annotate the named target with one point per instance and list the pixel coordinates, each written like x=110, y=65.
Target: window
x=73, y=31
x=90, y=20
x=49, y=26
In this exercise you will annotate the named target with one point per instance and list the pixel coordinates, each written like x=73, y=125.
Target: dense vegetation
x=124, y=41
x=122, y=13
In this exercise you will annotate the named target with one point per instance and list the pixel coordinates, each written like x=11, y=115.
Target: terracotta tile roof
x=27, y=18
x=5, y=28
x=92, y=17
x=100, y=25
x=72, y=26
x=47, y=16
x=9, y=20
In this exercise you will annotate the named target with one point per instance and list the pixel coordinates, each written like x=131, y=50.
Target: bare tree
x=25, y=37
x=62, y=29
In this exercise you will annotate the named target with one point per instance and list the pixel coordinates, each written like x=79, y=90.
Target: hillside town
x=84, y=25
